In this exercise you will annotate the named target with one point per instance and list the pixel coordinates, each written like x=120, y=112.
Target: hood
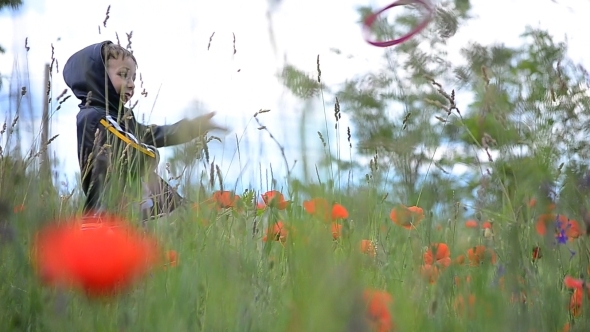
x=85, y=71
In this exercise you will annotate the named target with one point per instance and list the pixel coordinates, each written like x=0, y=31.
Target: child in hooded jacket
x=114, y=149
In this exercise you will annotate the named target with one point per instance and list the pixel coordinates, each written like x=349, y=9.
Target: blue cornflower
x=561, y=236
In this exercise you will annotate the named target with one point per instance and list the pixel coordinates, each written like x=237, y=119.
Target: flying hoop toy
x=370, y=20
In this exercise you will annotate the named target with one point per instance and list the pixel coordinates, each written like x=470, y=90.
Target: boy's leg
x=147, y=204
x=164, y=199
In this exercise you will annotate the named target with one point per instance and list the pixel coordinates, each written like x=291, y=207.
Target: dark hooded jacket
x=106, y=131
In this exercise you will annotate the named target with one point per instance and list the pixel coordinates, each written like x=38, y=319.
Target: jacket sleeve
x=180, y=132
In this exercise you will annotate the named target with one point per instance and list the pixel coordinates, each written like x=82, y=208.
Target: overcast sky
x=170, y=40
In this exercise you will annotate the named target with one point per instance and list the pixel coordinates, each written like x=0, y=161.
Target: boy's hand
x=204, y=124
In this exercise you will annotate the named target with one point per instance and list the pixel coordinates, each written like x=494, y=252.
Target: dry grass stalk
x=210, y=40
x=337, y=113
x=319, y=71
x=219, y=177
x=348, y=136
x=107, y=16
x=88, y=97
x=322, y=139
x=212, y=175
x=129, y=36
x=262, y=127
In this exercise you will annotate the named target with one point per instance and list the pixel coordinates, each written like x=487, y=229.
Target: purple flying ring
x=370, y=20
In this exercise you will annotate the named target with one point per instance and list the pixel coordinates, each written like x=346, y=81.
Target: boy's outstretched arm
x=180, y=132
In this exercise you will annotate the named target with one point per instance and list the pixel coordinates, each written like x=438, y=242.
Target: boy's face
x=122, y=74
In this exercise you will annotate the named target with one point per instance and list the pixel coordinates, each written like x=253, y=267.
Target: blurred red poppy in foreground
x=378, y=314
x=101, y=254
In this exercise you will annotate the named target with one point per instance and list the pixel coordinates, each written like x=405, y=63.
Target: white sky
x=170, y=42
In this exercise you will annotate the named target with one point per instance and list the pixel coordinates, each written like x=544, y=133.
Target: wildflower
x=498, y=280
x=336, y=230
x=260, y=206
x=101, y=254
x=339, y=212
x=439, y=254
x=518, y=297
x=172, y=258
x=458, y=280
x=459, y=260
x=378, y=311
x=429, y=272
x=471, y=223
x=561, y=237
x=274, y=198
x=565, y=229
x=573, y=283
x=19, y=208
x=545, y=219
x=276, y=232
x=459, y=303
x=548, y=207
x=368, y=247
x=225, y=199
x=319, y=207
x=569, y=228
x=576, y=300
x=407, y=217
x=478, y=254
x=537, y=253
x=578, y=286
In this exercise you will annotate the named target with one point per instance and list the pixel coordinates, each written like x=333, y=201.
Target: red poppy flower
x=319, y=208
x=276, y=232
x=471, y=223
x=336, y=230
x=576, y=300
x=429, y=272
x=172, y=257
x=537, y=253
x=368, y=247
x=573, y=283
x=225, y=199
x=339, y=212
x=101, y=254
x=439, y=254
x=276, y=199
x=378, y=310
x=479, y=254
x=570, y=227
x=459, y=303
x=407, y=217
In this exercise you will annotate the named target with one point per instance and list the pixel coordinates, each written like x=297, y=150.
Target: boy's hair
x=113, y=51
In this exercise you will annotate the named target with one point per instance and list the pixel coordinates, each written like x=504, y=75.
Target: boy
x=114, y=150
